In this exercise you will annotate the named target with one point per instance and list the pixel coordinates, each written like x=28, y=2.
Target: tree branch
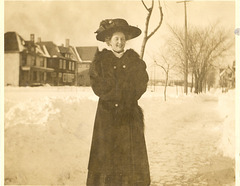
x=148, y=9
x=160, y=66
x=146, y=36
x=160, y=21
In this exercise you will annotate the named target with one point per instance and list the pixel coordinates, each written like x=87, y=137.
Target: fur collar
x=130, y=53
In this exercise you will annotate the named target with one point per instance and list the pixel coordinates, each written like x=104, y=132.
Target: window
x=73, y=66
x=45, y=62
x=64, y=77
x=60, y=63
x=41, y=62
x=24, y=62
x=60, y=76
x=49, y=63
x=45, y=76
x=70, y=65
x=64, y=64
x=69, y=77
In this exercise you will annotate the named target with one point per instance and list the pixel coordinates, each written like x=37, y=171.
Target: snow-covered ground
x=48, y=134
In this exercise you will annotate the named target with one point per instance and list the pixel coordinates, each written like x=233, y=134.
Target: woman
x=118, y=154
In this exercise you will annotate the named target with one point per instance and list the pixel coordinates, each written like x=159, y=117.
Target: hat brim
x=130, y=32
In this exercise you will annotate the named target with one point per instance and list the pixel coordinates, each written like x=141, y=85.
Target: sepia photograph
x=120, y=93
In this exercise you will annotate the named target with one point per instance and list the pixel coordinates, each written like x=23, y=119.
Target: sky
x=78, y=20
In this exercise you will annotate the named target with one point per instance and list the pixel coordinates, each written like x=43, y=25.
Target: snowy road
x=48, y=136
x=183, y=144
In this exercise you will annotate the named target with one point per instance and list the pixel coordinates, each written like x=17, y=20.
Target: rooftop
x=87, y=53
x=13, y=42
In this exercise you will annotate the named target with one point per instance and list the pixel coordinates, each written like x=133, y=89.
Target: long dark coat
x=118, y=154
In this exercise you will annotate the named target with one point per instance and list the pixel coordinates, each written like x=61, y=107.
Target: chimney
x=39, y=40
x=67, y=43
x=32, y=37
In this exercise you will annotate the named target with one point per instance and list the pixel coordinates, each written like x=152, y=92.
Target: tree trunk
x=165, y=88
x=192, y=82
x=143, y=47
x=204, y=86
x=209, y=87
x=196, y=84
x=200, y=85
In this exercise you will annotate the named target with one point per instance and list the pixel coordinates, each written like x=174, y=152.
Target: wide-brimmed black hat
x=109, y=26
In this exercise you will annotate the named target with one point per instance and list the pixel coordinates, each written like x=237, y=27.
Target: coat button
x=124, y=66
x=115, y=67
x=116, y=105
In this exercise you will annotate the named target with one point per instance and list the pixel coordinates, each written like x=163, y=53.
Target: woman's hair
x=109, y=37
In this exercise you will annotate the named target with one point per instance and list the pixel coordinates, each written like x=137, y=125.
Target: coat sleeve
x=141, y=80
x=135, y=84
x=103, y=87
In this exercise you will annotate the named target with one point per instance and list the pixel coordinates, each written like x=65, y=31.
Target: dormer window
x=67, y=55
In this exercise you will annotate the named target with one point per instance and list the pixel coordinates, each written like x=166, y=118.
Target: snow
x=48, y=134
x=227, y=141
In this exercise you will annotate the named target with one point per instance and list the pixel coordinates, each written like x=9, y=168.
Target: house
x=13, y=48
x=25, y=61
x=227, y=78
x=86, y=55
x=68, y=68
x=30, y=63
x=54, y=58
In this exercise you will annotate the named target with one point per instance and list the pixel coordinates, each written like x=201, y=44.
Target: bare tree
x=205, y=47
x=166, y=64
x=146, y=35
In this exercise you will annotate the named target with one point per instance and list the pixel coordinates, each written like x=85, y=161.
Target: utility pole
x=154, y=76
x=185, y=49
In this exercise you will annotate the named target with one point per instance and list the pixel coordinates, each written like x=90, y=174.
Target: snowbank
x=227, y=110
x=48, y=133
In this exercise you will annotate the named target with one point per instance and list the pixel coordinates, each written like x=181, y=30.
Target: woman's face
x=117, y=42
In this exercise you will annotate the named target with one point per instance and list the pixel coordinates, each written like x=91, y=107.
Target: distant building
x=86, y=56
x=68, y=71
x=30, y=63
x=55, y=61
x=13, y=48
x=227, y=78
x=25, y=62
